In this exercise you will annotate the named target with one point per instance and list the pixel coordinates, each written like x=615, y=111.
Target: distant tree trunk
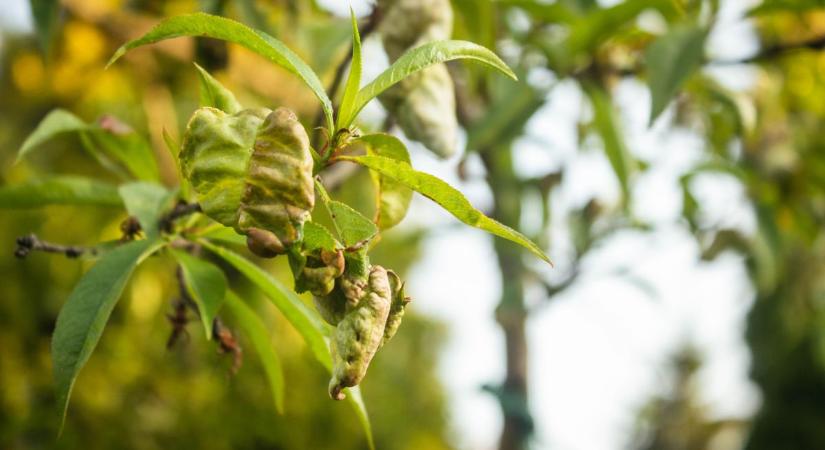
x=511, y=313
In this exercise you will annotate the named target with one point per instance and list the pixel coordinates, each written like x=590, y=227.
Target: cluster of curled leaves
x=255, y=179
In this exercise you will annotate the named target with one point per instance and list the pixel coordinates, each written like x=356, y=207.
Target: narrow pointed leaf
x=607, y=126
x=352, y=227
x=206, y=284
x=60, y=190
x=392, y=198
x=316, y=236
x=446, y=196
x=354, y=78
x=671, y=60
x=256, y=331
x=421, y=58
x=147, y=202
x=205, y=25
x=308, y=324
x=82, y=319
x=214, y=94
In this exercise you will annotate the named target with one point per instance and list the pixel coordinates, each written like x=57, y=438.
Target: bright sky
x=598, y=351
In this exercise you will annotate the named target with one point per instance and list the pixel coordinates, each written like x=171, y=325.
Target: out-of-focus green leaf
x=354, y=78
x=595, y=27
x=45, y=13
x=60, y=190
x=605, y=122
x=205, y=25
x=477, y=20
x=57, y=122
x=257, y=333
x=671, y=59
x=224, y=234
x=553, y=13
x=147, y=202
x=308, y=324
x=206, y=285
x=112, y=139
x=82, y=319
x=214, y=94
x=316, y=236
x=789, y=6
x=420, y=58
x=506, y=118
x=446, y=196
x=392, y=198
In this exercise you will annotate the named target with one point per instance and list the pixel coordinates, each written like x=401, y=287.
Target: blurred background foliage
x=136, y=394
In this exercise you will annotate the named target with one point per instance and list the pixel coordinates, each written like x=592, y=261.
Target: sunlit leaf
x=316, y=236
x=147, y=202
x=352, y=227
x=82, y=319
x=60, y=190
x=205, y=25
x=206, y=285
x=214, y=94
x=446, y=196
x=671, y=59
x=421, y=58
x=392, y=198
x=256, y=331
x=354, y=78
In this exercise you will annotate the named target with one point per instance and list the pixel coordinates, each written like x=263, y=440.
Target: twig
x=30, y=242
x=182, y=209
x=227, y=343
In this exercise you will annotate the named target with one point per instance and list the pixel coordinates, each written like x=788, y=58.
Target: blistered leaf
x=392, y=198
x=205, y=25
x=446, y=196
x=421, y=58
x=60, y=190
x=206, y=285
x=214, y=94
x=671, y=59
x=147, y=202
x=82, y=319
x=261, y=341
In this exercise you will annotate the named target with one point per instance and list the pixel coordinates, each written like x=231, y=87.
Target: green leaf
x=392, y=198
x=504, y=120
x=257, y=333
x=214, y=94
x=605, y=121
x=357, y=403
x=446, y=196
x=316, y=236
x=58, y=121
x=82, y=319
x=671, y=59
x=60, y=190
x=224, y=234
x=352, y=227
x=205, y=25
x=308, y=324
x=147, y=202
x=45, y=13
x=354, y=78
x=421, y=58
x=206, y=285
x=118, y=141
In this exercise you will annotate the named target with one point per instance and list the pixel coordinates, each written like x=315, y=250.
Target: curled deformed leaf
x=392, y=198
